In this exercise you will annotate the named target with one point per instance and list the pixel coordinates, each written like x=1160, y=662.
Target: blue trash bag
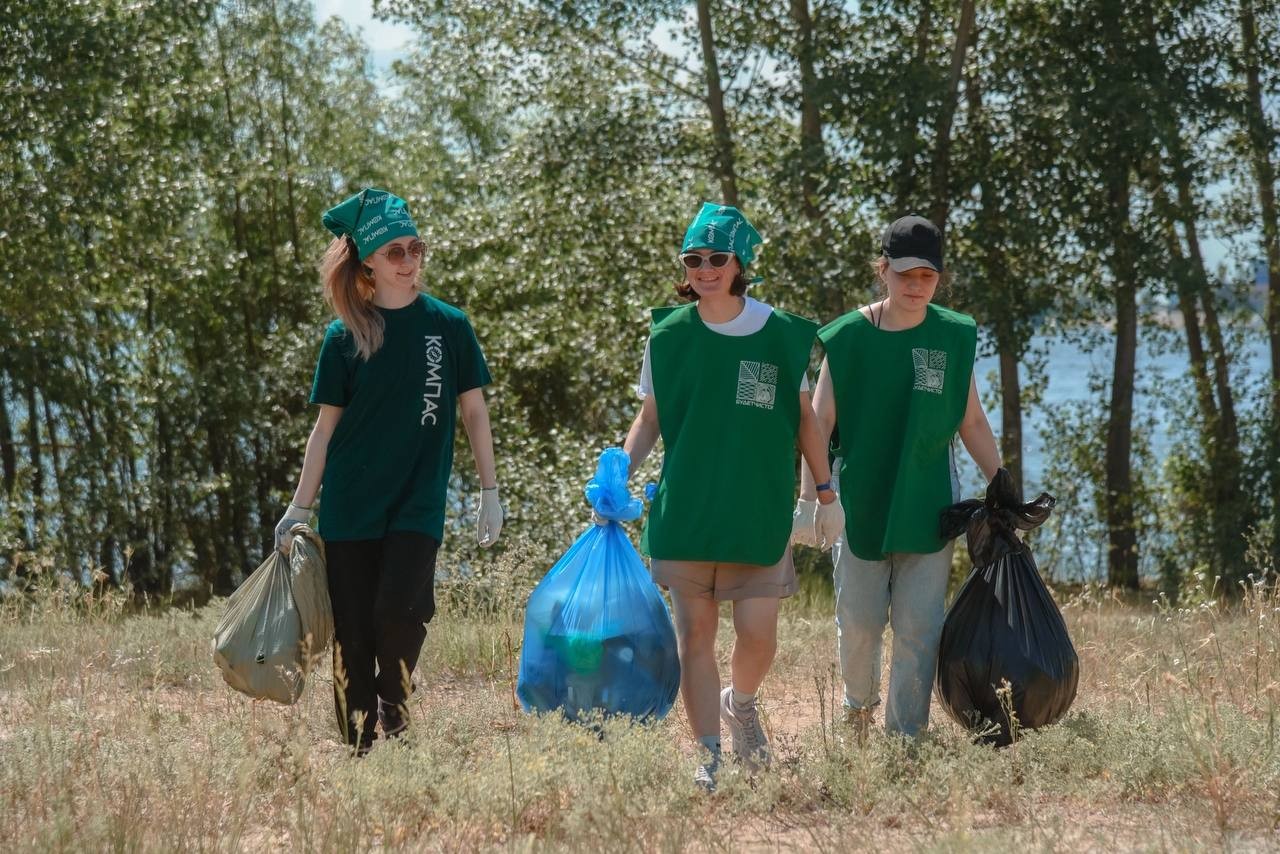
x=597, y=633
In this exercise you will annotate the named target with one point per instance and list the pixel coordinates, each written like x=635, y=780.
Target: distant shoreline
x=1172, y=318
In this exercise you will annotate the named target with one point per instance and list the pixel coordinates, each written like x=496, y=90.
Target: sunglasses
x=396, y=253
x=694, y=261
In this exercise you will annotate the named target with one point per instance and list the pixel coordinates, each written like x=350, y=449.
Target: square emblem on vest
x=931, y=369
x=757, y=384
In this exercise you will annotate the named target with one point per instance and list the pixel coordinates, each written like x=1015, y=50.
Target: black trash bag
x=1003, y=625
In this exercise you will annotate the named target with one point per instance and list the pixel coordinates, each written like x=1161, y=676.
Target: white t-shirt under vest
x=750, y=320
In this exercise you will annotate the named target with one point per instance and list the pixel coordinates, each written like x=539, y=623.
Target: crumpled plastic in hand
x=991, y=524
x=607, y=490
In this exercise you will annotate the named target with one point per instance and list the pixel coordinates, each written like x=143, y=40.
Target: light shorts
x=726, y=581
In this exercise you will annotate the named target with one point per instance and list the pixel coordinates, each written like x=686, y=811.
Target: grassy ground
x=116, y=732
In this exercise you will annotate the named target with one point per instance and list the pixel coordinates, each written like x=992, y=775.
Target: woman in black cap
x=898, y=378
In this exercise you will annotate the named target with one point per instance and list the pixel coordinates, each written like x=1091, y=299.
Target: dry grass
x=116, y=732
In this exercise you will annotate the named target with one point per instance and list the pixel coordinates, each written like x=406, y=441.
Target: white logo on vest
x=931, y=369
x=757, y=384
x=431, y=394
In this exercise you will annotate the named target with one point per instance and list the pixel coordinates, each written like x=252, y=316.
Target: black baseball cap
x=911, y=242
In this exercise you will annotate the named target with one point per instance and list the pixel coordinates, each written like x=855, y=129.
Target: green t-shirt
x=389, y=458
x=728, y=411
x=900, y=397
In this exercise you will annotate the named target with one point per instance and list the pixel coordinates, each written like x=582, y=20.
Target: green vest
x=900, y=397
x=728, y=410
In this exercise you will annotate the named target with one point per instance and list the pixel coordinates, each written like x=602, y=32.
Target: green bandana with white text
x=372, y=218
x=724, y=229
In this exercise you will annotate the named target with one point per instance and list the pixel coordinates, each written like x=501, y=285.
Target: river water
x=1076, y=373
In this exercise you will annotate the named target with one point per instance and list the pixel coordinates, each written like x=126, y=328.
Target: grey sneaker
x=749, y=741
x=705, y=777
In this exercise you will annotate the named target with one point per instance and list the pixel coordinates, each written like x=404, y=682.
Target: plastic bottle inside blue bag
x=597, y=633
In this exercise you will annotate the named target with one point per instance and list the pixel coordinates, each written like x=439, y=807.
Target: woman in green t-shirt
x=393, y=368
x=724, y=386
x=898, y=379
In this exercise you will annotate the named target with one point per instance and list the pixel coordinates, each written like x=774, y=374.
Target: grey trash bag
x=311, y=588
x=276, y=622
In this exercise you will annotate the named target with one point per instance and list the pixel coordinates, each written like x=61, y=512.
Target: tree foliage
x=163, y=167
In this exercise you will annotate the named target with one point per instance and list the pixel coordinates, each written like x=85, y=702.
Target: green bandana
x=371, y=218
x=725, y=229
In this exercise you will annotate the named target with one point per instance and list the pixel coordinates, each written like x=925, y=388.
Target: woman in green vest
x=723, y=383
x=393, y=368
x=898, y=379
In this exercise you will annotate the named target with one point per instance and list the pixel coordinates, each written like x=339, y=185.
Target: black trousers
x=383, y=595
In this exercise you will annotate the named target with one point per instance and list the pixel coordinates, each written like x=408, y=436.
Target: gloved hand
x=292, y=516
x=828, y=524
x=488, y=517
x=802, y=523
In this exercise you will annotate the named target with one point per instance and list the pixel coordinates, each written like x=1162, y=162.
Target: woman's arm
x=643, y=434
x=975, y=432
x=316, y=454
x=813, y=447
x=304, y=496
x=475, y=419
x=822, y=523
x=824, y=421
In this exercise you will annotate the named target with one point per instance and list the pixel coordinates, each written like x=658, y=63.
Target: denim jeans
x=907, y=592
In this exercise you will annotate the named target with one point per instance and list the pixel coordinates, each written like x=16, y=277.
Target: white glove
x=802, y=523
x=292, y=516
x=488, y=517
x=828, y=524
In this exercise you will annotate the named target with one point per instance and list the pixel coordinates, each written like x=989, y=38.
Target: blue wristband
x=823, y=487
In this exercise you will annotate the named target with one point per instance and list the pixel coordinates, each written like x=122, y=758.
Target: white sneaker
x=749, y=742
x=705, y=777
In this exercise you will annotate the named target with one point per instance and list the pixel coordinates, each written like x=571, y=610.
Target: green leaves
x=163, y=166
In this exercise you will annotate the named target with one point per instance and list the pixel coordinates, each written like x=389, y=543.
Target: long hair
x=349, y=292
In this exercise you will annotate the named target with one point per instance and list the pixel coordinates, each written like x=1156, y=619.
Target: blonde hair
x=349, y=291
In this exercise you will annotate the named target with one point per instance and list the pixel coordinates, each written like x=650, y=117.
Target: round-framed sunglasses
x=396, y=253
x=695, y=261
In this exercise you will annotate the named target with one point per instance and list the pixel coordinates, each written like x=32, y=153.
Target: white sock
x=743, y=701
x=710, y=742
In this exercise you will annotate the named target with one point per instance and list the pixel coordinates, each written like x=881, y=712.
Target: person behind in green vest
x=724, y=384
x=393, y=368
x=898, y=379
